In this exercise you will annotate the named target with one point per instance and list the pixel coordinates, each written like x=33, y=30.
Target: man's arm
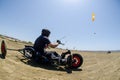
x=53, y=45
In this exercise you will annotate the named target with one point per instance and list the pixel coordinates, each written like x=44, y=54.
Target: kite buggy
x=67, y=59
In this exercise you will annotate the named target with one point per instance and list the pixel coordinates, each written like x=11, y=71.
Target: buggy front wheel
x=77, y=60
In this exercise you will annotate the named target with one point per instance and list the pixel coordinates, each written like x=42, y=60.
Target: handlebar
x=59, y=42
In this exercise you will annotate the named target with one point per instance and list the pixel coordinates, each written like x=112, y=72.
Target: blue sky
x=68, y=20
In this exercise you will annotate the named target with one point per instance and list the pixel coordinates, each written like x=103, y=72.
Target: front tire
x=77, y=60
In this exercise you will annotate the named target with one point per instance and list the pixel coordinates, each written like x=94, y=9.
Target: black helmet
x=45, y=32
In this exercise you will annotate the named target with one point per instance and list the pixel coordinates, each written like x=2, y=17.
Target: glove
x=58, y=41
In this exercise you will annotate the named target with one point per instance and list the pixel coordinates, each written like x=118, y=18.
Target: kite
x=93, y=17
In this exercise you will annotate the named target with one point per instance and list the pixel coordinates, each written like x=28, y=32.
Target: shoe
x=68, y=70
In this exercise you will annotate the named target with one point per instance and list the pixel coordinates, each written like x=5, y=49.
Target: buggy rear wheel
x=77, y=60
x=28, y=52
x=3, y=49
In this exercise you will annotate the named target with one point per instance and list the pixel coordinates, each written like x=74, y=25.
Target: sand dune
x=96, y=66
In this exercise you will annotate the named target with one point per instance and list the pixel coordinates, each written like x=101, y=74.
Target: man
x=43, y=42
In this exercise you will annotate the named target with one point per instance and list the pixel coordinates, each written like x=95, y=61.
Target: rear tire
x=28, y=52
x=77, y=61
x=3, y=49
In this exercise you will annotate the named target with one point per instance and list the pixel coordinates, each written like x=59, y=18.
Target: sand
x=96, y=66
